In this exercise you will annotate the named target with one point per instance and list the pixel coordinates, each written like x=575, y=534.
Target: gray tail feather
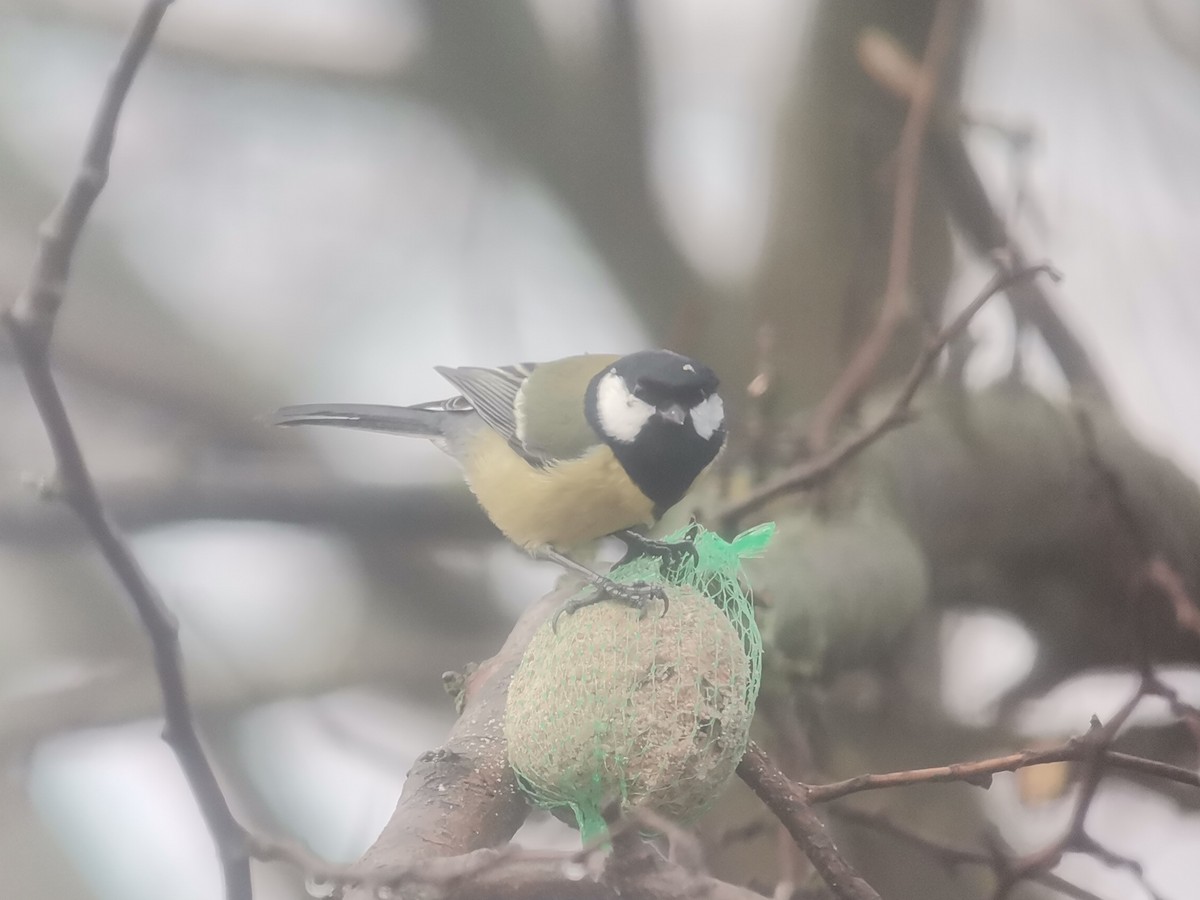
x=365, y=416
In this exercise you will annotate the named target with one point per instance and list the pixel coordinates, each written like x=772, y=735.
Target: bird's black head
x=663, y=418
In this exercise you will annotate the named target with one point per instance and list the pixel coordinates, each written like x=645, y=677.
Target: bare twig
x=1075, y=837
x=1092, y=750
x=1187, y=713
x=790, y=801
x=980, y=773
x=789, y=804
x=30, y=321
x=810, y=472
x=1115, y=860
x=895, y=308
x=34, y=311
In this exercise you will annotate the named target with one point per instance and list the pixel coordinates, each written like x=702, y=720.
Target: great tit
x=561, y=453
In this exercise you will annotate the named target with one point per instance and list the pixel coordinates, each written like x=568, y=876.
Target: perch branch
x=30, y=322
x=810, y=472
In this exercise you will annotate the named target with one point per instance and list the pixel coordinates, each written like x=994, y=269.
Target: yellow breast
x=565, y=505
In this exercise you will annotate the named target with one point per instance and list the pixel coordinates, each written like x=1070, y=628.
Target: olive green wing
x=550, y=407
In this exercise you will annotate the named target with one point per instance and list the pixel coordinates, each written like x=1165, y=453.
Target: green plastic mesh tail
x=650, y=711
x=590, y=821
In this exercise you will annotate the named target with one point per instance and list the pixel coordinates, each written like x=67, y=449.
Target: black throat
x=665, y=460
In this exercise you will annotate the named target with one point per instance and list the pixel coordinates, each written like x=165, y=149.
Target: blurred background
x=319, y=200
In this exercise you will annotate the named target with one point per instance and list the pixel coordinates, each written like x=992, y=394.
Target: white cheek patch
x=622, y=415
x=708, y=416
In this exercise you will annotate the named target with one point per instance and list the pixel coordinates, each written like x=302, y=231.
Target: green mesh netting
x=650, y=711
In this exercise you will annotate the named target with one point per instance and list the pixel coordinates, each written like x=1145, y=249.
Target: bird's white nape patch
x=708, y=415
x=622, y=415
x=688, y=367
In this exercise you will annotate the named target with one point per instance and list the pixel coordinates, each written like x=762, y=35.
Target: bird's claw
x=638, y=595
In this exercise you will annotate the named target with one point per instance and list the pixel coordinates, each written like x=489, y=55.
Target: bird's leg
x=672, y=553
x=638, y=594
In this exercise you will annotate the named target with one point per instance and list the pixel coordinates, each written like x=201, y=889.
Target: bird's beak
x=675, y=414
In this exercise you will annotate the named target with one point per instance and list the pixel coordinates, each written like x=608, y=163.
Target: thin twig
x=791, y=801
x=30, y=321
x=811, y=472
x=1186, y=712
x=980, y=773
x=894, y=308
x=789, y=804
x=1075, y=837
x=36, y=307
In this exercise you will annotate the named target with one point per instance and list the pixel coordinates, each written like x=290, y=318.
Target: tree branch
x=980, y=773
x=30, y=321
x=790, y=805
